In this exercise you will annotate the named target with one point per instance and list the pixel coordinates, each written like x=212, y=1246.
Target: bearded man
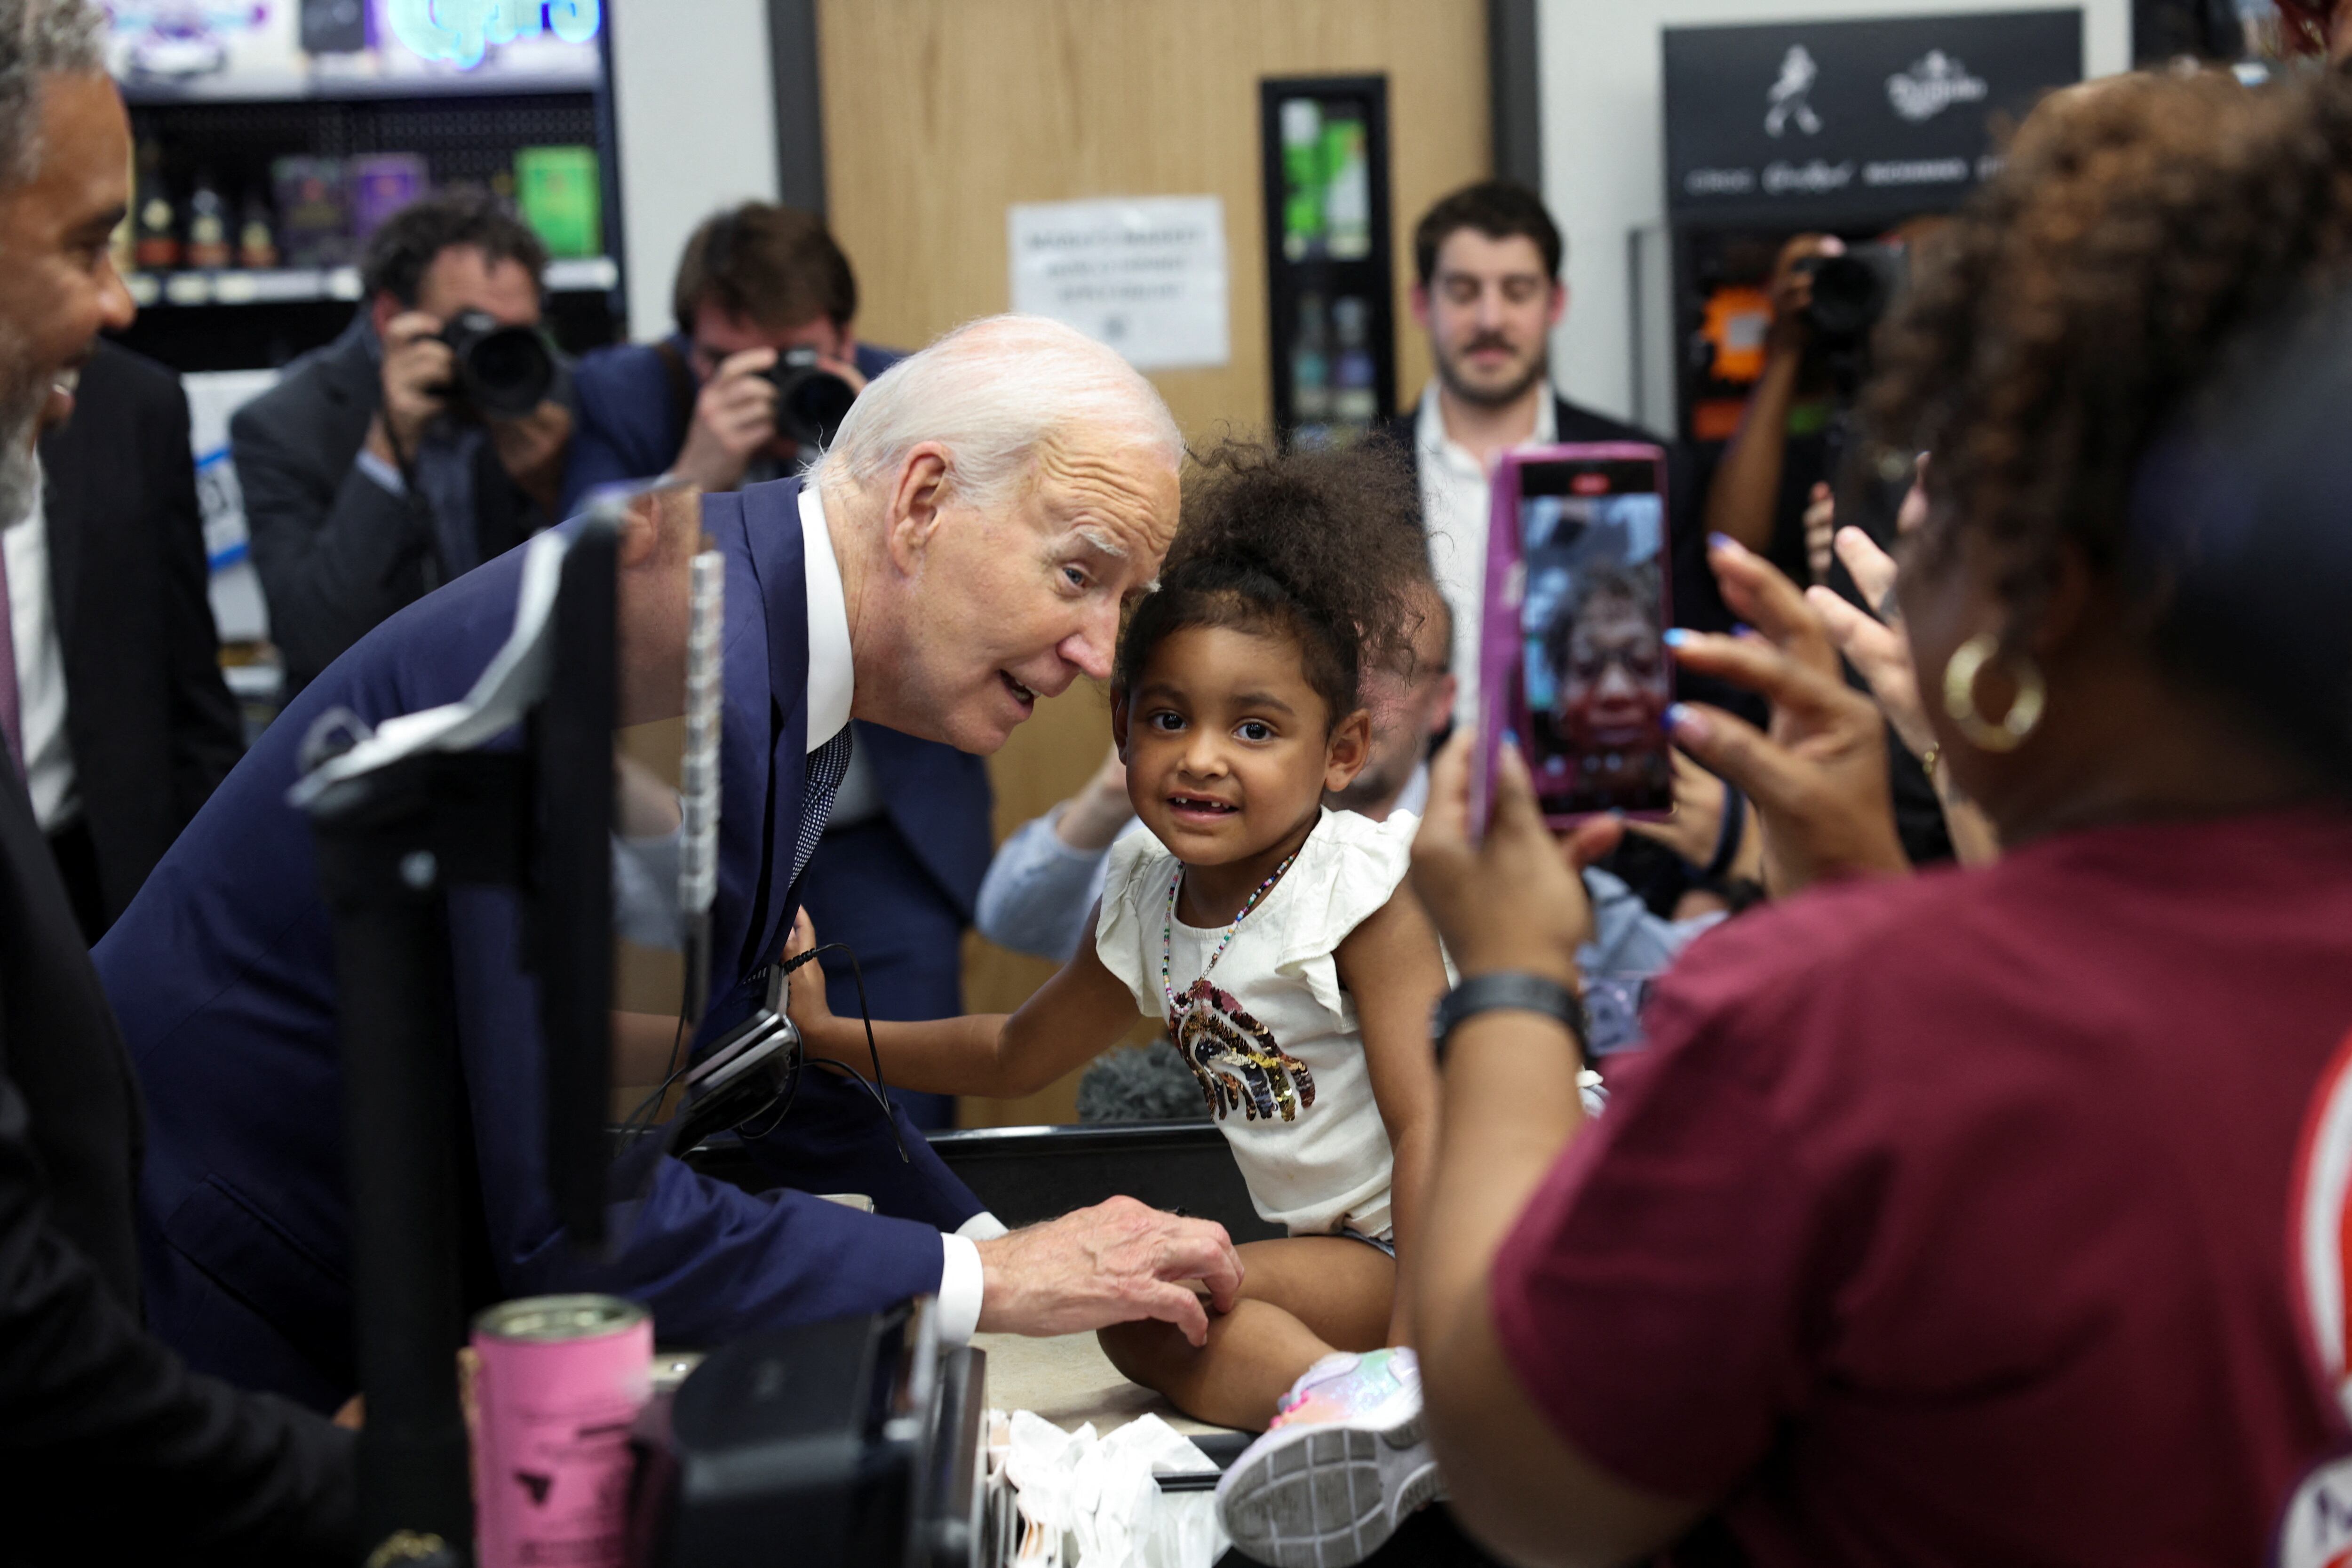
x=116, y=1452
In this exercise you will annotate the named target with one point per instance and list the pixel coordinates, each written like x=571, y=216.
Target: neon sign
x=460, y=31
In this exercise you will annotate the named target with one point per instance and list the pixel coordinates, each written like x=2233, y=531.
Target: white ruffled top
x=1282, y=1061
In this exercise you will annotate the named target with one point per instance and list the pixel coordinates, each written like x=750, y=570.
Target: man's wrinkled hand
x=1515, y=901
x=1114, y=1263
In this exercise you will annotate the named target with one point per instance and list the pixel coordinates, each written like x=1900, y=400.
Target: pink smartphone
x=1573, y=664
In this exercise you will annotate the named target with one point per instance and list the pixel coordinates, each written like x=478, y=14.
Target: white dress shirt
x=832, y=685
x=1454, y=507
x=40, y=672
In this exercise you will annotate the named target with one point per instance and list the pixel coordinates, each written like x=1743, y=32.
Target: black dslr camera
x=811, y=402
x=503, y=373
x=1852, y=292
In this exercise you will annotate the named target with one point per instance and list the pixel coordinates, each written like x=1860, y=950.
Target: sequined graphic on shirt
x=1236, y=1059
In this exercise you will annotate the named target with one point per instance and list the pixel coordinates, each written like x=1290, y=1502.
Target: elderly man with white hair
x=963, y=550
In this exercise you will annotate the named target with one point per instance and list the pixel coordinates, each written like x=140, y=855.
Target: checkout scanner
x=857, y=1440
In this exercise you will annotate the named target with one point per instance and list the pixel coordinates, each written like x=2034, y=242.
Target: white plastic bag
x=1095, y=1503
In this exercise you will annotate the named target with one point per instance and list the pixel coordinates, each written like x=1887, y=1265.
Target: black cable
x=879, y=1090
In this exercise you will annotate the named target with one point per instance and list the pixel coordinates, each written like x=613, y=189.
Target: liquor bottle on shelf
x=155, y=237
x=208, y=232
x=313, y=228
x=257, y=243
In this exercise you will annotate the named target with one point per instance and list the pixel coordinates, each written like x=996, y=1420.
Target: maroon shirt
x=1946, y=1220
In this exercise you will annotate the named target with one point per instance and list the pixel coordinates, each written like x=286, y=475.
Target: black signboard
x=1829, y=123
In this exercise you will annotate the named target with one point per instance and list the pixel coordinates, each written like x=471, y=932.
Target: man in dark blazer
x=365, y=486
x=1488, y=292
x=114, y=1451
x=900, y=866
x=150, y=728
x=883, y=592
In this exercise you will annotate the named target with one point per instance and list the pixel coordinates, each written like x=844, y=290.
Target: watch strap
x=1515, y=991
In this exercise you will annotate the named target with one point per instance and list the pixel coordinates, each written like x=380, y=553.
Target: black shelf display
x=267, y=149
x=1852, y=128
x=1329, y=262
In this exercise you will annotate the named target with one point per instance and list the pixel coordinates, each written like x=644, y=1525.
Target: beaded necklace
x=1176, y=1010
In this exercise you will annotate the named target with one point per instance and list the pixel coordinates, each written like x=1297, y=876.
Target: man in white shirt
x=1488, y=293
x=123, y=726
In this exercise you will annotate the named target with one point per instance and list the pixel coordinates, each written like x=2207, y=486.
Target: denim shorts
x=1385, y=1243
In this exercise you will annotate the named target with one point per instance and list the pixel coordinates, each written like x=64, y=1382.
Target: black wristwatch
x=1519, y=992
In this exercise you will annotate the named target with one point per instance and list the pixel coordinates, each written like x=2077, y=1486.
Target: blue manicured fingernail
x=1685, y=720
x=1742, y=630
x=1674, y=636
x=1509, y=737
x=1724, y=542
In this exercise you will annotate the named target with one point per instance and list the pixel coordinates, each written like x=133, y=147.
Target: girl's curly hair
x=1322, y=546
x=2141, y=224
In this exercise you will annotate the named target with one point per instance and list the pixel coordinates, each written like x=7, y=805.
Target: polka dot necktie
x=827, y=767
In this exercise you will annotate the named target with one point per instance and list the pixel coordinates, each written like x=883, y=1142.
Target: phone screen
x=1590, y=678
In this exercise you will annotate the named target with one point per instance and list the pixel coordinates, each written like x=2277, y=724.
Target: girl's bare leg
x=1302, y=1298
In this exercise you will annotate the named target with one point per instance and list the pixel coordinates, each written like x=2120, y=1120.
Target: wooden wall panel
x=939, y=114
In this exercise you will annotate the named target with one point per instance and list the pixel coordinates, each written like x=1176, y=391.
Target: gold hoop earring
x=2024, y=712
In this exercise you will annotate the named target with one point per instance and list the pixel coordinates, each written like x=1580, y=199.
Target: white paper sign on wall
x=1144, y=274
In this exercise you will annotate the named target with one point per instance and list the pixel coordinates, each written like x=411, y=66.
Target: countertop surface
x=1069, y=1382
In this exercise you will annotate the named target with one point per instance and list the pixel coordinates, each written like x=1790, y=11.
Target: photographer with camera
x=762, y=369
x=763, y=365
x=1763, y=487
x=427, y=439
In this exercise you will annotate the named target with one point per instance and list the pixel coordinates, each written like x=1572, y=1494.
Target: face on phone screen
x=1594, y=676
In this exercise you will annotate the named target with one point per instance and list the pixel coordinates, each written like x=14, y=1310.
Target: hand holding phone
x=1573, y=665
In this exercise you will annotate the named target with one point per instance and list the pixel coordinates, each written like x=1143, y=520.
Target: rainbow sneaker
x=1342, y=1466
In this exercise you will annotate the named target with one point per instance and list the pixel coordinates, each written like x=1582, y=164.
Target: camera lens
x=811, y=402
x=502, y=370
x=1848, y=295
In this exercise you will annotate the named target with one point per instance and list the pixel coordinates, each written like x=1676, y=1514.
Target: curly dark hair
x=1322, y=546
x=2141, y=224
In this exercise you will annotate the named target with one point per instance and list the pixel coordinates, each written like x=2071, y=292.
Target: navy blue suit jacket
x=222, y=970
x=898, y=890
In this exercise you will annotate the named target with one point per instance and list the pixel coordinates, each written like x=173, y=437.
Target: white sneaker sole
x=1330, y=1498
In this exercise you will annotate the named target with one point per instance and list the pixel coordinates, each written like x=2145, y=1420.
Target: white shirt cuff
x=382, y=472
x=984, y=1227
x=961, y=1282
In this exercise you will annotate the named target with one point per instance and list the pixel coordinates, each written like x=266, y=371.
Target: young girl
x=1263, y=928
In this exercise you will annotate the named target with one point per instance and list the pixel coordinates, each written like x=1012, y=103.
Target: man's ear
x=382, y=308
x=1559, y=302
x=1118, y=723
x=1421, y=306
x=1349, y=748
x=916, y=500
